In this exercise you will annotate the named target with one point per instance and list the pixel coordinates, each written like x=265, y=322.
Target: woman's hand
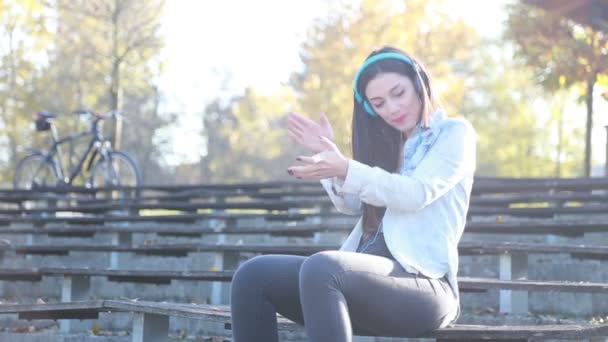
x=306, y=132
x=326, y=164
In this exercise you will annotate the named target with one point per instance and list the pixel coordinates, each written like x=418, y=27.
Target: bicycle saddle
x=47, y=115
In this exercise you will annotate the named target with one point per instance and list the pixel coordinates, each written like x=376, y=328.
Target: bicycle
x=107, y=167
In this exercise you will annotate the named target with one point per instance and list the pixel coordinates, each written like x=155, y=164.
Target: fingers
x=310, y=160
x=295, y=126
x=295, y=137
x=308, y=172
x=294, y=132
x=325, y=141
x=324, y=120
x=328, y=144
x=301, y=120
x=313, y=168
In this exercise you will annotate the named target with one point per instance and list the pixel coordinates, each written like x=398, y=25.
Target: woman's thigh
x=276, y=279
x=383, y=298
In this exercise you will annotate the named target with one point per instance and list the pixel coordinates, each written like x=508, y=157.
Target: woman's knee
x=323, y=266
x=250, y=272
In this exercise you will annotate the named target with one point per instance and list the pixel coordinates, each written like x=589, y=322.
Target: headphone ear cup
x=368, y=109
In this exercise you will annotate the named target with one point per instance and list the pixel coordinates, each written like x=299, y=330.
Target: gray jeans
x=335, y=294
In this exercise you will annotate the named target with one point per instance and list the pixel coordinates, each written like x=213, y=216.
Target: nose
x=392, y=107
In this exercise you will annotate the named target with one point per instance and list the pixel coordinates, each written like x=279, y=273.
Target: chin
x=406, y=129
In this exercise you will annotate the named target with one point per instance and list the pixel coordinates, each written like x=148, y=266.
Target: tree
x=563, y=54
x=246, y=138
x=25, y=37
x=517, y=137
x=117, y=35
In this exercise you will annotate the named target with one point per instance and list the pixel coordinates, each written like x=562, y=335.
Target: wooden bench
x=267, y=201
x=180, y=218
x=150, y=322
x=181, y=250
x=513, y=265
x=492, y=198
x=230, y=218
x=562, y=227
x=274, y=195
x=165, y=277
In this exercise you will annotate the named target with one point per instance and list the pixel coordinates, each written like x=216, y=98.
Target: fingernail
x=289, y=172
x=299, y=159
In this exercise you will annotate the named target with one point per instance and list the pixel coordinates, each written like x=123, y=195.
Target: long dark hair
x=375, y=142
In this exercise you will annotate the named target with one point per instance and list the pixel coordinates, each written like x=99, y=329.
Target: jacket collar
x=434, y=126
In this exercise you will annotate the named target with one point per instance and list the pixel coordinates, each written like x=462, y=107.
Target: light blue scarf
x=420, y=142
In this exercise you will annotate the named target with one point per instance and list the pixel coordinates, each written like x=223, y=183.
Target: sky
x=206, y=44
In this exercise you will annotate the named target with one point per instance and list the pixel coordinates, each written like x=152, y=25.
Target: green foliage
x=24, y=37
x=246, y=138
x=518, y=126
x=562, y=55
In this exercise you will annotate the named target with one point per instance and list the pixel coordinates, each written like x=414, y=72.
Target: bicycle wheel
x=34, y=171
x=118, y=169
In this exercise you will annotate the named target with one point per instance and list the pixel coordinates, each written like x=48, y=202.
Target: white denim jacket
x=426, y=203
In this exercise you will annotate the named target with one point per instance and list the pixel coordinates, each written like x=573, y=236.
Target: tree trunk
x=560, y=130
x=589, y=103
x=115, y=86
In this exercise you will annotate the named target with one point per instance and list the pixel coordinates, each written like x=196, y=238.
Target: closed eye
x=378, y=104
x=396, y=91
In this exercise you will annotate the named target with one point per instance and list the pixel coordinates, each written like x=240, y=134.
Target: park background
x=205, y=87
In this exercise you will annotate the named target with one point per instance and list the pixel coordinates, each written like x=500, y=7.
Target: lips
x=399, y=119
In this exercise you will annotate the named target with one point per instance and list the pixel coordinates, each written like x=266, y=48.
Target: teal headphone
x=384, y=55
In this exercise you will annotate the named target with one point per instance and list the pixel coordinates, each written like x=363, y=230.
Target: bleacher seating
x=514, y=223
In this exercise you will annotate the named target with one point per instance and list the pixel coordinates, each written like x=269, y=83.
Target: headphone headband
x=381, y=56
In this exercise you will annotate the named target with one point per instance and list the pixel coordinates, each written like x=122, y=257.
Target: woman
x=410, y=178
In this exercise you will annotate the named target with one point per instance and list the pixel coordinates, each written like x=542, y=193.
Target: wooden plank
x=48, y=307
x=511, y=185
x=177, y=250
x=191, y=218
x=536, y=332
x=494, y=247
x=565, y=227
x=515, y=198
x=488, y=182
x=221, y=314
x=178, y=206
x=168, y=229
x=537, y=212
x=276, y=201
x=559, y=227
x=29, y=274
x=142, y=276
x=467, y=284
x=182, y=249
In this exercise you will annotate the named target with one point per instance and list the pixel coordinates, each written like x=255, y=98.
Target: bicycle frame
x=97, y=145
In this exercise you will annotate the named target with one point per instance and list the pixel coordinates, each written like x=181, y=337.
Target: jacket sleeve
x=451, y=158
x=345, y=203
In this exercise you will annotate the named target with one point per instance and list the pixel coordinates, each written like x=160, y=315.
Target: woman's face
x=394, y=99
